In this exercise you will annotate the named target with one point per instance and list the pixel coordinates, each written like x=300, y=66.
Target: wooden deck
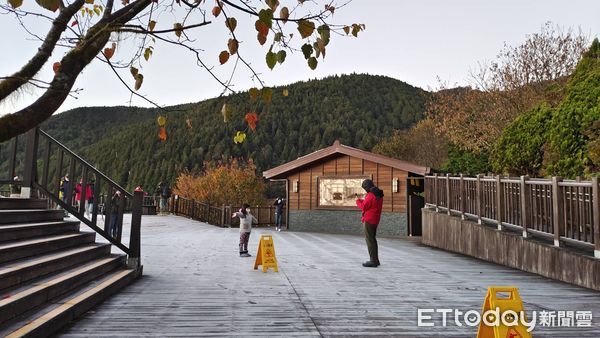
x=195, y=284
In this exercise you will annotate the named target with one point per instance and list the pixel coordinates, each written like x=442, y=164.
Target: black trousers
x=370, y=232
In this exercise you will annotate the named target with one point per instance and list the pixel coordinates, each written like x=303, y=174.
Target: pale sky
x=414, y=41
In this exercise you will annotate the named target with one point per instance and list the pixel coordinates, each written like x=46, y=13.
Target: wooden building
x=322, y=188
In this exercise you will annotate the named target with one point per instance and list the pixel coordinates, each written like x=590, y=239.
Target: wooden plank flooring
x=195, y=284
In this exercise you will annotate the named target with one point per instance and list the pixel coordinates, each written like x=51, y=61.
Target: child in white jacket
x=246, y=220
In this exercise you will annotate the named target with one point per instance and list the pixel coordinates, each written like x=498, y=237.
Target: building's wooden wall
x=307, y=196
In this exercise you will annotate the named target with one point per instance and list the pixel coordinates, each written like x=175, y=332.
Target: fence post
x=596, y=215
x=30, y=169
x=133, y=261
x=461, y=196
x=448, y=195
x=557, y=204
x=499, y=201
x=435, y=191
x=478, y=196
x=191, y=215
x=524, y=193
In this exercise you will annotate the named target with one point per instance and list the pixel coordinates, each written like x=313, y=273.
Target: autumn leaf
x=306, y=28
x=281, y=56
x=271, y=59
x=97, y=10
x=147, y=53
x=273, y=4
x=267, y=95
x=56, y=67
x=151, y=25
x=312, y=63
x=346, y=30
x=239, y=137
x=252, y=119
x=188, y=122
x=109, y=52
x=139, y=79
x=162, y=134
x=324, y=32
x=178, y=27
x=15, y=3
x=284, y=14
x=254, y=94
x=261, y=28
x=216, y=11
x=261, y=38
x=286, y=92
x=51, y=5
x=226, y=111
x=266, y=16
x=278, y=37
x=330, y=8
x=232, y=45
x=307, y=50
x=231, y=23
x=223, y=57
x=134, y=71
x=161, y=121
x=74, y=23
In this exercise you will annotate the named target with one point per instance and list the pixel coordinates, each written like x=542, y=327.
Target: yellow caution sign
x=503, y=315
x=266, y=254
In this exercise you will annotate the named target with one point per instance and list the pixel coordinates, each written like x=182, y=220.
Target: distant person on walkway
x=246, y=220
x=64, y=190
x=164, y=192
x=279, y=203
x=15, y=188
x=78, y=188
x=89, y=203
x=114, y=214
x=371, y=214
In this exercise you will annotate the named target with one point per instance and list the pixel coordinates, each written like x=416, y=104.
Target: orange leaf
x=162, y=134
x=223, y=57
x=252, y=118
x=56, y=67
x=216, y=11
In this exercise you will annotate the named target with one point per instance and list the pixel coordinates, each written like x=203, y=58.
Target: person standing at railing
x=371, y=208
x=279, y=203
x=114, y=214
x=78, y=188
x=246, y=220
x=89, y=203
x=164, y=192
x=64, y=189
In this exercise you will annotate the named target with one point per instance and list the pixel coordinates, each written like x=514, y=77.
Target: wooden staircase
x=50, y=271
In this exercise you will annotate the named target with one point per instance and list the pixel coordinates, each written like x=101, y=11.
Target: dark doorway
x=416, y=201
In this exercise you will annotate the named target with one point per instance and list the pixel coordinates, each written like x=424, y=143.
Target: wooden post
x=30, y=169
x=557, y=205
x=596, y=215
x=133, y=261
x=461, y=196
x=478, y=196
x=191, y=215
x=448, y=195
x=435, y=192
x=524, y=209
x=499, y=202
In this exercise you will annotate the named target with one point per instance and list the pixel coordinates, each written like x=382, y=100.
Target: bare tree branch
x=39, y=59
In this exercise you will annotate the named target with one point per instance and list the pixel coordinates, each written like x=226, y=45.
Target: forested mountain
x=122, y=141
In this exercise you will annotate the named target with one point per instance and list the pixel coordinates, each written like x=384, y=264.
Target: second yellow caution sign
x=266, y=254
x=502, y=303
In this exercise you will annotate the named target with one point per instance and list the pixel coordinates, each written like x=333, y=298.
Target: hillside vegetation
x=358, y=110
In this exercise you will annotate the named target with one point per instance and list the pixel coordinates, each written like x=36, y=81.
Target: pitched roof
x=338, y=148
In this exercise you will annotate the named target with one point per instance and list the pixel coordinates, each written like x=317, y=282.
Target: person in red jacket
x=371, y=214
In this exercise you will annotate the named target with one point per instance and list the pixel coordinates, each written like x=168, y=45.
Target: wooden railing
x=41, y=168
x=564, y=211
x=219, y=215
